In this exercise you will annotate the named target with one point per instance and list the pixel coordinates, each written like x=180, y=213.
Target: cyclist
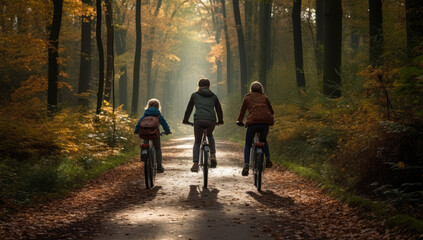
x=153, y=109
x=260, y=117
x=206, y=106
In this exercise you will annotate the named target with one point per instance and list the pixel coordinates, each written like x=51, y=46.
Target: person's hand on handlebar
x=219, y=123
x=241, y=124
x=188, y=123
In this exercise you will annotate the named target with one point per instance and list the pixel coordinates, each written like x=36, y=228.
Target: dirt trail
x=117, y=206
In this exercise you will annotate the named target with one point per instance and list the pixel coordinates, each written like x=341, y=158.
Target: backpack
x=149, y=127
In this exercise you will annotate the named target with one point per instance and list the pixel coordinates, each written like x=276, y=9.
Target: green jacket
x=205, y=102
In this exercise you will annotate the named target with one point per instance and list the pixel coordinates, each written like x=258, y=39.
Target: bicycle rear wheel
x=259, y=170
x=205, y=167
x=147, y=171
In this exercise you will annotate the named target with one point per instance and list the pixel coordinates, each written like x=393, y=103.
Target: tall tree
x=249, y=29
x=110, y=50
x=53, y=55
x=137, y=59
x=230, y=84
x=120, y=40
x=85, y=62
x=332, y=49
x=149, y=55
x=320, y=36
x=100, y=59
x=414, y=13
x=265, y=11
x=298, y=44
x=241, y=46
x=376, y=31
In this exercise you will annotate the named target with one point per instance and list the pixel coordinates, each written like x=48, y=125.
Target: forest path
x=117, y=206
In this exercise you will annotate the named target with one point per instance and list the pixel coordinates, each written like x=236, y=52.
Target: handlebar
x=164, y=133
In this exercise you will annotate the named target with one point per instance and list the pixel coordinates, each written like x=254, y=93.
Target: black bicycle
x=204, y=161
x=257, y=160
x=148, y=157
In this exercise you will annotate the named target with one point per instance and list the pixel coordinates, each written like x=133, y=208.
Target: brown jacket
x=259, y=109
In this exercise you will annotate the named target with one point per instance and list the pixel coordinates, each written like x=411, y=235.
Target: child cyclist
x=153, y=109
x=260, y=117
x=205, y=102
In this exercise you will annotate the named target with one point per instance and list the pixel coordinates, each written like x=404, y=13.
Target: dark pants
x=198, y=133
x=157, y=147
x=263, y=129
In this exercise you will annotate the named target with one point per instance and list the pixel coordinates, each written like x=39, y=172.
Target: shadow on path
x=272, y=200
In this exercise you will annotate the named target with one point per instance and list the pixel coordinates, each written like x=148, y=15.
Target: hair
x=153, y=103
x=204, y=82
x=256, y=87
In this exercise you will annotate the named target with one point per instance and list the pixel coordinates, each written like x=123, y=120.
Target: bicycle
x=148, y=156
x=257, y=160
x=204, y=161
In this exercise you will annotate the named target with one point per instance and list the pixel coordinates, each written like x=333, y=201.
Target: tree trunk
x=137, y=60
x=263, y=26
x=269, y=62
x=53, y=54
x=150, y=52
x=120, y=38
x=85, y=63
x=241, y=45
x=414, y=13
x=376, y=31
x=230, y=85
x=249, y=39
x=320, y=36
x=100, y=60
x=298, y=44
x=110, y=51
x=332, y=49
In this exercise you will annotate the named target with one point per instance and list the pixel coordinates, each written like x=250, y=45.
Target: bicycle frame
x=204, y=157
x=148, y=156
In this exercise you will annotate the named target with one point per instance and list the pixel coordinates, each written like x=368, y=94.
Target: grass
x=380, y=210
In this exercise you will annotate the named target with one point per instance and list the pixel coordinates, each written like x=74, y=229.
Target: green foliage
x=406, y=222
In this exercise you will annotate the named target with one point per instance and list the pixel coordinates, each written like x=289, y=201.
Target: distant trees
x=376, y=31
x=414, y=13
x=53, y=55
x=333, y=49
x=110, y=50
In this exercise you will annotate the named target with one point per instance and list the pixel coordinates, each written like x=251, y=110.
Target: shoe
x=269, y=164
x=194, y=167
x=245, y=170
x=213, y=161
x=160, y=168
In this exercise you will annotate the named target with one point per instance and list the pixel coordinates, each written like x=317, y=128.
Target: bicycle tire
x=259, y=170
x=147, y=171
x=152, y=166
x=205, y=168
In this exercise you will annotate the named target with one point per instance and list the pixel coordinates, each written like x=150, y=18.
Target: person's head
x=153, y=103
x=256, y=87
x=204, y=83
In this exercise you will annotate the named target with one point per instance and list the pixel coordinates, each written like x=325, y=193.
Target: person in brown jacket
x=260, y=117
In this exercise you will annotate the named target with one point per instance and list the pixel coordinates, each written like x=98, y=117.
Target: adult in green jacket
x=207, y=105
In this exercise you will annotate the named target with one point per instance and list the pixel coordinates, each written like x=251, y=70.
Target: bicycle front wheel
x=153, y=167
x=259, y=170
x=205, y=167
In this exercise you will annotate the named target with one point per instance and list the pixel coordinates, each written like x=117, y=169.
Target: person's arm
x=188, y=111
x=242, y=111
x=219, y=111
x=269, y=105
x=164, y=124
